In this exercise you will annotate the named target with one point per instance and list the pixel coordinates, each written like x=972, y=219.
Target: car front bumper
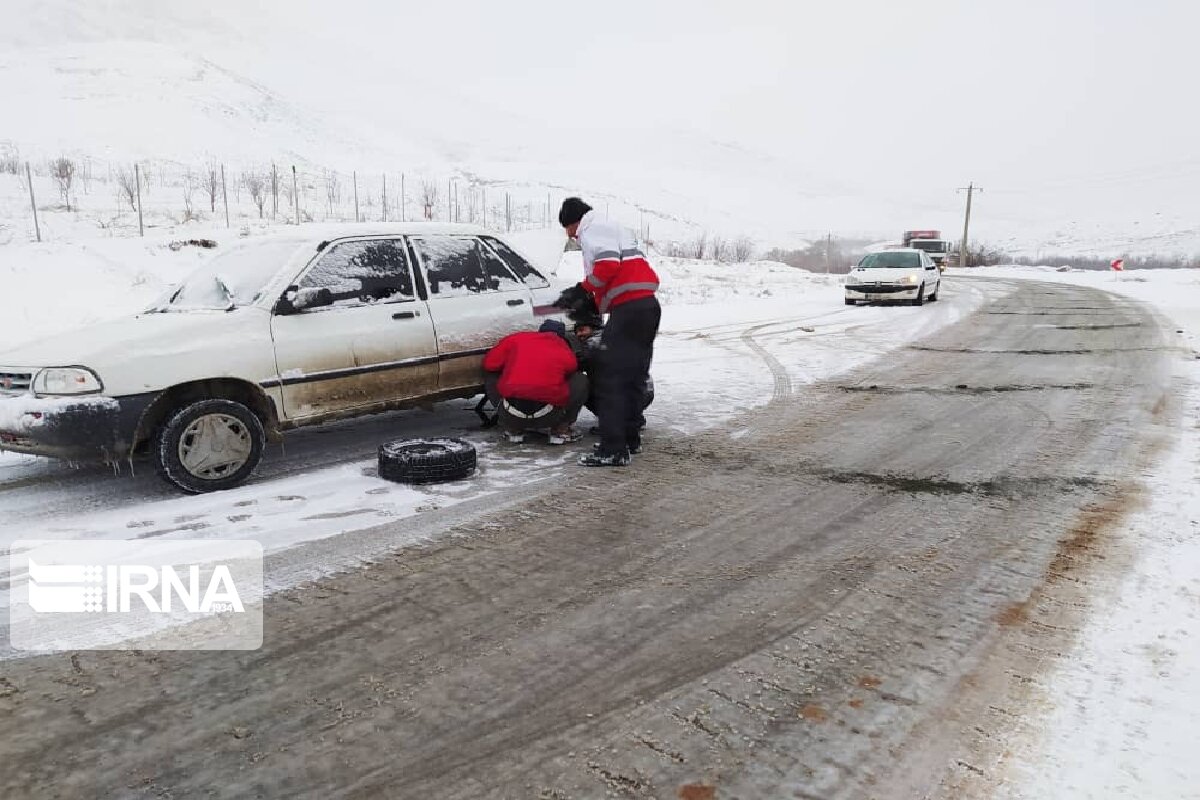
x=77, y=428
x=882, y=292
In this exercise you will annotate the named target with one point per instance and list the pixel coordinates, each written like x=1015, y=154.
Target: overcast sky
x=1036, y=97
x=1051, y=101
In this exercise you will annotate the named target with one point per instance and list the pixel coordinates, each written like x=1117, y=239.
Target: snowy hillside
x=139, y=101
x=374, y=92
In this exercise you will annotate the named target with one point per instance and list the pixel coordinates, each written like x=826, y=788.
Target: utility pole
x=274, y=191
x=450, y=200
x=385, y=197
x=137, y=179
x=403, y=200
x=970, y=189
x=828, y=246
x=37, y=229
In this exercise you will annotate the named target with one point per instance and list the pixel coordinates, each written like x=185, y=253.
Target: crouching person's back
x=533, y=379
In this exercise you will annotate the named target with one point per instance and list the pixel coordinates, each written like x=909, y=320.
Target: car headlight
x=66, y=381
x=912, y=278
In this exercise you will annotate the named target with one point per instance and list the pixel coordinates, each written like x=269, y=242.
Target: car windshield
x=928, y=245
x=231, y=279
x=901, y=260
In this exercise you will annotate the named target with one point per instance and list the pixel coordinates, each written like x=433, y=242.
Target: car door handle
x=405, y=315
x=516, y=302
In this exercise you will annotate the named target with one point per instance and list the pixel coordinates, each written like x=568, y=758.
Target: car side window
x=519, y=266
x=363, y=272
x=456, y=266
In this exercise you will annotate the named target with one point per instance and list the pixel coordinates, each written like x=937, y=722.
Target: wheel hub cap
x=215, y=446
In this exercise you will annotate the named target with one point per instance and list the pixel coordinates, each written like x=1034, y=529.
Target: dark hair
x=572, y=211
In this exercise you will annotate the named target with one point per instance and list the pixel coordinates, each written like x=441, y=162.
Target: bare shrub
x=256, y=185
x=189, y=191
x=719, y=249
x=127, y=187
x=429, y=198
x=62, y=169
x=742, y=248
x=10, y=159
x=212, y=184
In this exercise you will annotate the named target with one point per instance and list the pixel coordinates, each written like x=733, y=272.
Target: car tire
x=920, y=301
x=426, y=460
x=933, y=297
x=209, y=445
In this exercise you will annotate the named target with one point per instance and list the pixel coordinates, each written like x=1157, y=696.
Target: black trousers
x=626, y=350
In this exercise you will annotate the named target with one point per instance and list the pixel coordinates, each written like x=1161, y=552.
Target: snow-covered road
x=732, y=335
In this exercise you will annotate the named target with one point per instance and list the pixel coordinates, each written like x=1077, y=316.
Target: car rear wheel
x=209, y=445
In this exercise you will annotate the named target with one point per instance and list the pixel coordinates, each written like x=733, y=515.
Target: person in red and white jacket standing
x=622, y=284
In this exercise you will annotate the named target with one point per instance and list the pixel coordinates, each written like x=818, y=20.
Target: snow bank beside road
x=1119, y=717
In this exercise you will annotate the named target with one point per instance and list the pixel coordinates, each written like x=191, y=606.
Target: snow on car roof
x=320, y=232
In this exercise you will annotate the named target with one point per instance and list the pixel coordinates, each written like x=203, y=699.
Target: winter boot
x=601, y=459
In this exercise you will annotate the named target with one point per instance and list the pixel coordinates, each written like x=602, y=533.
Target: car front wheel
x=209, y=445
x=920, y=301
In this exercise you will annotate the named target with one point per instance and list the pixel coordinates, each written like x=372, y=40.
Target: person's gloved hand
x=571, y=298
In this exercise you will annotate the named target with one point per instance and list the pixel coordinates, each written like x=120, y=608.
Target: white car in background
x=902, y=274
x=293, y=329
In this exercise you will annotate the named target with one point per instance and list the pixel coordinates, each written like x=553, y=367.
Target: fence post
x=296, y=194
x=37, y=229
x=137, y=179
x=224, y=196
x=403, y=200
x=385, y=197
x=274, y=191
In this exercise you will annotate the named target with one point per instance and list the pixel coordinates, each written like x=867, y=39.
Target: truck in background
x=931, y=242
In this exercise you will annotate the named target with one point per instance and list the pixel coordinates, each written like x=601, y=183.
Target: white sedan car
x=894, y=275
x=294, y=329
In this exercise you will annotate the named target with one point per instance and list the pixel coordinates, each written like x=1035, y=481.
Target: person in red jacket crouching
x=534, y=381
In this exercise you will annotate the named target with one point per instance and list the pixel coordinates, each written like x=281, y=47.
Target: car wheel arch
x=244, y=392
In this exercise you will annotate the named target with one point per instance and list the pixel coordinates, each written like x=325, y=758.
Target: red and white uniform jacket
x=615, y=269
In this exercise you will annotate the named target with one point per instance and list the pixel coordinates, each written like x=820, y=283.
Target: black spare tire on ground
x=426, y=460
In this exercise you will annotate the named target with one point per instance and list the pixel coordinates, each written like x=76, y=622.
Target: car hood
x=163, y=333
